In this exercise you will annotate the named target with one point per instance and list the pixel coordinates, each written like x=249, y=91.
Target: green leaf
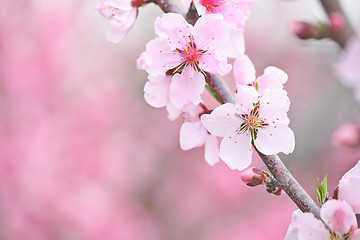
x=256, y=85
x=212, y=93
x=322, y=191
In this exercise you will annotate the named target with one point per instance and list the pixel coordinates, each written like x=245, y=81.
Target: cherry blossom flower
x=262, y=120
x=185, y=52
x=234, y=12
x=348, y=66
x=194, y=134
x=349, y=188
x=122, y=15
x=244, y=74
x=338, y=216
x=347, y=135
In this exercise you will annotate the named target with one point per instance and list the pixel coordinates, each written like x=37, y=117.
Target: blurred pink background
x=82, y=156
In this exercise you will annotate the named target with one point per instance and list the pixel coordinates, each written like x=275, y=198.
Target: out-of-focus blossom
x=347, y=135
x=185, y=52
x=244, y=74
x=349, y=188
x=122, y=15
x=337, y=22
x=348, y=66
x=338, y=216
x=253, y=118
x=194, y=134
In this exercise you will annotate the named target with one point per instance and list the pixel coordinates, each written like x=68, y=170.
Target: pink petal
x=210, y=31
x=235, y=13
x=273, y=78
x=160, y=58
x=235, y=46
x=272, y=140
x=173, y=112
x=211, y=150
x=293, y=230
x=192, y=134
x=120, y=26
x=348, y=65
x=355, y=235
x=244, y=70
x=306, y=227
x=236, y=151
x=201, y=10
x=174, y=28
x=186, y=87
x=222, y=121
x=213, y=62
x=273, y=104
x=245, y=97
x=184, y=5
x=349, y=188
x=339, y=216
x=157, y=91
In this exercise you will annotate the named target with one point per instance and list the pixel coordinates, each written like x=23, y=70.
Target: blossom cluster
x=179, y=61
x=338, y=220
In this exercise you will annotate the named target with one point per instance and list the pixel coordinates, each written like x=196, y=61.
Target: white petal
x=156, y=91
x=246, y=96
x=274, y=103
x=235, y=47
x=186, y=87
x=272, y=140
x=236, y=151
x=173, y=112
x=349, y=188
x=310, y=228
x=339, y=216
x=244, y=70
x=174, y=28
x=222, y=121
x=273, y=78
x=211, y=150
x=192, y=134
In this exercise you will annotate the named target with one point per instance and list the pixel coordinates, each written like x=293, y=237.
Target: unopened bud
x=337, y=22
x=303, y=30
x=252, y=177
x=347, y=135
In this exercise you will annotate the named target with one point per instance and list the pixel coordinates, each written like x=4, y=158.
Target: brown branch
x=288, y=183
x=220, y=88
x=331, y=6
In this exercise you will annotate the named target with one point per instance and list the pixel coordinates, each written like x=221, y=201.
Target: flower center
x=190, y=55
x=251, y=123
x=212, y=5
x=136, y=3
x=334, y=236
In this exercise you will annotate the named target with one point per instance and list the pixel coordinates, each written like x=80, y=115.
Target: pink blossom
x=244, y=74
x=253, y=118
x=349, y=188
x=338, y=216
x=347, y=135
x=348, y=66
x=122, y=15
x=235, y=12
x=194, y=134
x=185, y=52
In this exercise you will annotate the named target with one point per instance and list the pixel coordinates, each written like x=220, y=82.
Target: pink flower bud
x=252, y=177
x=347, y=135
x=303, y=30
x=337, y=22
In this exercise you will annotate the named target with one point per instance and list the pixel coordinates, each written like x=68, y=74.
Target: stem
x=283, y=177
x=220, y=88
x=348, y=32
x=288, y=183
